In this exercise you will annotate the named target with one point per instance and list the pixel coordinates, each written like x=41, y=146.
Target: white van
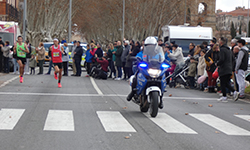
x=184, y=35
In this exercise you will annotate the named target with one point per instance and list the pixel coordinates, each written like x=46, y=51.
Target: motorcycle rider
x=148, y=41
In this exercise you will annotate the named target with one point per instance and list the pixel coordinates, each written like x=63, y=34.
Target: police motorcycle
x=150, y=78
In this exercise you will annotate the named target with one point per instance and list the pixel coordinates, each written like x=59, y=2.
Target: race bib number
x=56, y=54
x=21, y=53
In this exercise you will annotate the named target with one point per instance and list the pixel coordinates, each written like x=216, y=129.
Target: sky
x=229, y=5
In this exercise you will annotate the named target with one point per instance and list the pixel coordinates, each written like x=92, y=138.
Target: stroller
x=180, y=76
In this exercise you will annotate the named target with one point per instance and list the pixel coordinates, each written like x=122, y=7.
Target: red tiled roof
x=238, y=12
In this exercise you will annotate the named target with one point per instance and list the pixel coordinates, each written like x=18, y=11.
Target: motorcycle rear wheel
x=154, y=103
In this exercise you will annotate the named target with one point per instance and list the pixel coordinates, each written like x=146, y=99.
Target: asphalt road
x=90, y=114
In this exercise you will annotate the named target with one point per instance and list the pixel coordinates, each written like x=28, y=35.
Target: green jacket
x=114, y=50
x=118, y=55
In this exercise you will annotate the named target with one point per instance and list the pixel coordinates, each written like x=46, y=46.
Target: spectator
x=172, y=66
x=40, y=50
x=225, y=70
x=99, y=50
x=63, y=41
x=102, y=73
x=114, y=71
x=212, y=42
x=28, y=56
x=65, y=59
x=32, y=64
x=118, y=61
x=88, y=60
x=124, y=56
x=72, y=56
x=197, y=52
x=50, y=60
x=241, y=67
x=233, y=45
x=78, y=58
x=192, y=72
x=235, y=55
x=6, y=51
x=129, y=62
x=178, y=55
x=133, y=53
x=110, y=59
x=1, y=55
x=191, y=49
x=212, y=56
x=16, y=65
x=166, y=49
x=205, y=44
x=160, y=43
x=201, y=67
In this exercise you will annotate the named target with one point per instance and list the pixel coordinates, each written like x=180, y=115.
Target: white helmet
x=150, y=40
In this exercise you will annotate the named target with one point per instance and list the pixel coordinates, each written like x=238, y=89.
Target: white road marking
x=170, y=125
x=9, y=81
x=95, y=95
x=95, y=86
x=219, y=124
x=9, y=118
x=59, y=120
x=245, y=117
x=113, y=121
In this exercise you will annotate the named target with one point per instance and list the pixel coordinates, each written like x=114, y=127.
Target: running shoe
x=59, y=85
x=21, y=79
x=236, y=95
x=55, y=76
x=223, y=99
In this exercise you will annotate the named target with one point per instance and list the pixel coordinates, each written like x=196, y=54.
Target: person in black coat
x=99, y=50
x=1, y=55
x=78, y=58
x=225, y=66
x=191, y=49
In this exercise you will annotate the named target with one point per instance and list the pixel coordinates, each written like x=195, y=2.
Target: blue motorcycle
x=150, y=80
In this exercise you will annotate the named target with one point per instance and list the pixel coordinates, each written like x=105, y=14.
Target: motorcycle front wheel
x=154, y=104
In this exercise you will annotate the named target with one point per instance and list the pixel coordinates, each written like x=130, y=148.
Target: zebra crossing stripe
x=170, y=125
x=221, y=125
x=113, y=121
x=9, y=118
x=59, y=120
x=245, y=117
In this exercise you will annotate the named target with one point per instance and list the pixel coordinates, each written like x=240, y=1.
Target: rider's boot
x=131, y=95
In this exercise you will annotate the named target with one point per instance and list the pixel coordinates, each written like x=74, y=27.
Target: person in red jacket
x=56, y=56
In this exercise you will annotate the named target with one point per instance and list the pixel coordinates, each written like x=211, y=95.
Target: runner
x=56, y=54
x=21, y=50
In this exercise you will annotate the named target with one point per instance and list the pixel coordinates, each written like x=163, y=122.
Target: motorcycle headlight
x=154, y=73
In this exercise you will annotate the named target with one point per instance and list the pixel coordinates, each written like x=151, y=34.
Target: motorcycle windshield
x=152, y=53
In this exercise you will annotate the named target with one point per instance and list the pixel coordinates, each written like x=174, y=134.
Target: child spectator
x=192, y=72
x=201, y=67
x=32, y=64
x=172, y=66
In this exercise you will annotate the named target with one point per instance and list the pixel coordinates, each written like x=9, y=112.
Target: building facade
x=9, y=10
x=239, y=17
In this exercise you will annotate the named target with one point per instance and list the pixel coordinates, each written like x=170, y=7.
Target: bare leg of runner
x=56, y=71
x=60, y=77
x=21, y=69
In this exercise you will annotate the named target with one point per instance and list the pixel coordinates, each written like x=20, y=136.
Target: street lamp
x=248, y=20
x=70, y=11
x=123, y=20
x=24, y=19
